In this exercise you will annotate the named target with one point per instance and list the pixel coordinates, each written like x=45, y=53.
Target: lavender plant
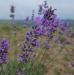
x=28, y=52
x=47, y=25
x=4, y=46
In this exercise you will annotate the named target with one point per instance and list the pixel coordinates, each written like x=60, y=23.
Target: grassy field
x=54, y=61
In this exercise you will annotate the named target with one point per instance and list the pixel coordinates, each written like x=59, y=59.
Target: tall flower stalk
x=4, y=51
x=28, y=46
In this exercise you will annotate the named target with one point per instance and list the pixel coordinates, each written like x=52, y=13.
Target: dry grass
x=56, y=60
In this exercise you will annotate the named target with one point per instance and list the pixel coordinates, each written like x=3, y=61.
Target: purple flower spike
x=4, y=44
x=4, y=51
x=28, y=36
x=27, y=50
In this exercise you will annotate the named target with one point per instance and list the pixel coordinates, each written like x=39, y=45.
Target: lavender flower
x=23, y=46
x=4, y=51
x=28, y=36
x=4, y=44
x=28, y=52
x=27, y=55
x=35, y=42
x=47, y=23
x=38, y=31
x=49, y=13
x=40, y=9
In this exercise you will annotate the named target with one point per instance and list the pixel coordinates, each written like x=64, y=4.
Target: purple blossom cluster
x=4, y=45
x=47, y=23
x=28, y=46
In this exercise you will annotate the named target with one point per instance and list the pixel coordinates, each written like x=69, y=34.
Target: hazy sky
x=65, y=8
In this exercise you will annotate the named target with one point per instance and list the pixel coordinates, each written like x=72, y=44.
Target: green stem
x=1, y=69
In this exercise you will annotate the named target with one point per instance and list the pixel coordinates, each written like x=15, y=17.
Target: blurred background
x=65, y=9
x=24, y=8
